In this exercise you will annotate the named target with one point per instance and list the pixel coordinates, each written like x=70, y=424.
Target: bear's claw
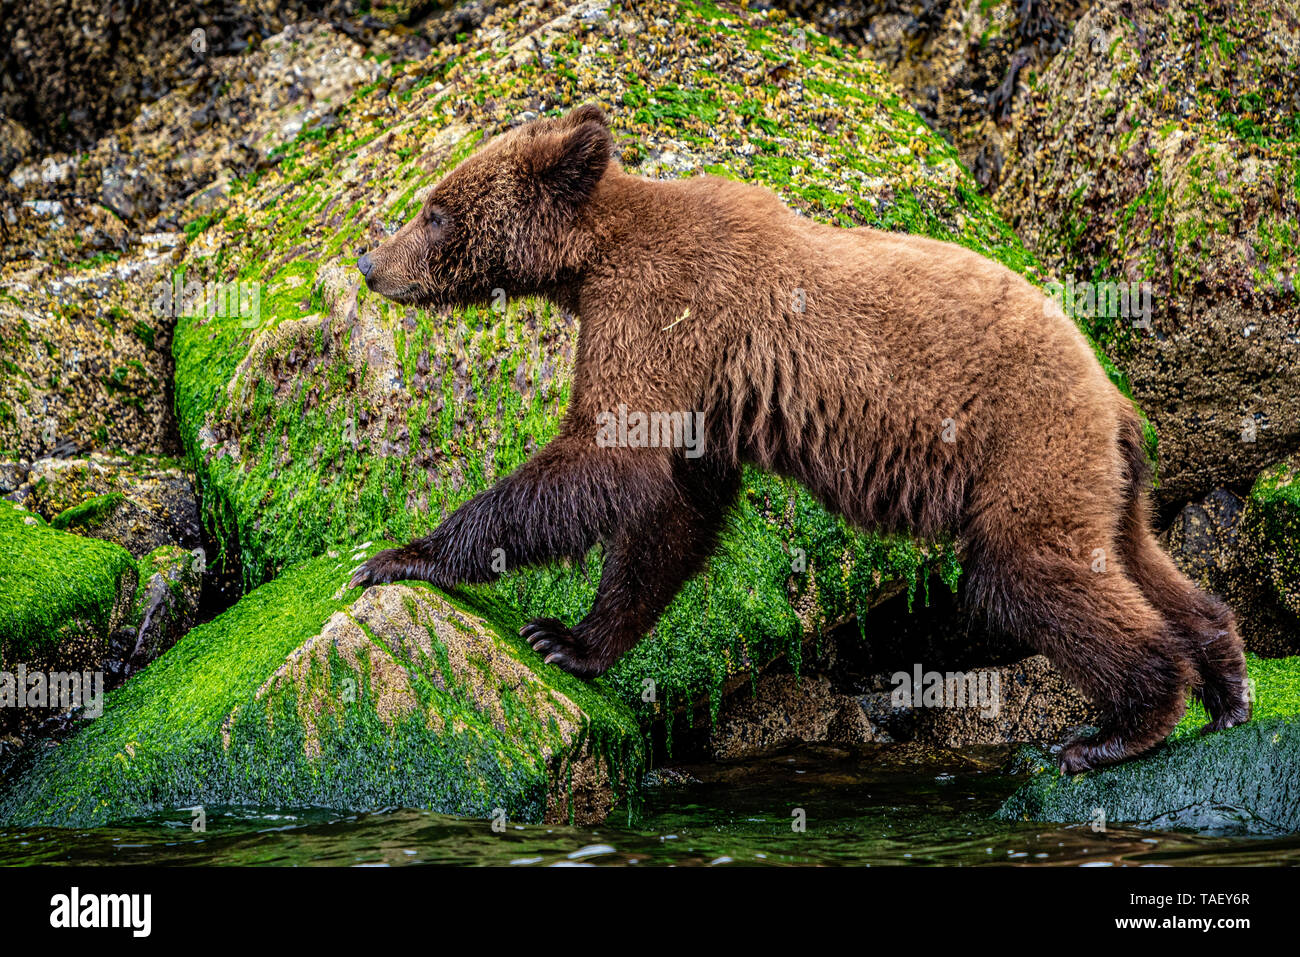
x=380, y=569
x=559, y=646
x=1074, y=760
x=1224, y=722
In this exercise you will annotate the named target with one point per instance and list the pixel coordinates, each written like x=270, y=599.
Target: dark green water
x=866, y=807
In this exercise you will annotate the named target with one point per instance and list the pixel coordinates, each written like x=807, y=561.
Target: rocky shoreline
x=185, y=491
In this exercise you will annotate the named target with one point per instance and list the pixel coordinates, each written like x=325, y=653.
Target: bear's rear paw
x=1084, y=754
x=1075, y=759
x=559, y=645
x=1235, y=711
x=1224, y=721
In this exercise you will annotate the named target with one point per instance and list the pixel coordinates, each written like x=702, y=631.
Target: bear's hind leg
x=1203, y=623
x=1102, y=634
x=1221, y=661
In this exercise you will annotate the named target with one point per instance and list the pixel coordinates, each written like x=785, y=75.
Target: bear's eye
x=437, y=219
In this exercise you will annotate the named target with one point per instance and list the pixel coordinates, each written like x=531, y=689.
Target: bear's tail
x=1204, y=625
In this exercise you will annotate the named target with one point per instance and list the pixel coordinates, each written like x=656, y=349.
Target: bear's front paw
x=559, y=645
x=390, y=565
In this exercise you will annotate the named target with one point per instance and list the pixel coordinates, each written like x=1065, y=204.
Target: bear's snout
x=387, y=270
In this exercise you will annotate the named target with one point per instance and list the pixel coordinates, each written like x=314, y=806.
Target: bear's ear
x=570, y=162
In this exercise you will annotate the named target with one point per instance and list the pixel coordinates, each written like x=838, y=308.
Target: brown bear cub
x=909, y=384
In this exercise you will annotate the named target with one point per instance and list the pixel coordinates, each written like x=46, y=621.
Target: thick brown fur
x=910, y=384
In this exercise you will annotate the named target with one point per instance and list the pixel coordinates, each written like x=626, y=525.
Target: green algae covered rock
x=61, y=595
x=304, y=694
x=1161, y=146
x=1247, y=777
x=1247, y=549
x=1272, y=525
x=317, y=414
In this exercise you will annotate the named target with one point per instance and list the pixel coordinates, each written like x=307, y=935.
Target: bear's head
x=504, y=218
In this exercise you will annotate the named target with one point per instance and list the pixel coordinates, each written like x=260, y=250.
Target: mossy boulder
x=166, y=604
x=1272, y=526
x=1161, y=146
x=1247, y=777
x=306, y=694
x=142, y=503
x=327, y=415
x=61, y=599
x=86, y=363
x=1247, y=549
x=965, y=65
x=145, y=504
x=55, y=586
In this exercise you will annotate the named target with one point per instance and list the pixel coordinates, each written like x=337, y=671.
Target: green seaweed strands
x=55, y=587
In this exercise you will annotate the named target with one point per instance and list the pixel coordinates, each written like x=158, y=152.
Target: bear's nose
x=365, y=265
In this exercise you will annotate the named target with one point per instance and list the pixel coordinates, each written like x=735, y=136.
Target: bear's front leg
x=556, y=505
x=646, y=564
